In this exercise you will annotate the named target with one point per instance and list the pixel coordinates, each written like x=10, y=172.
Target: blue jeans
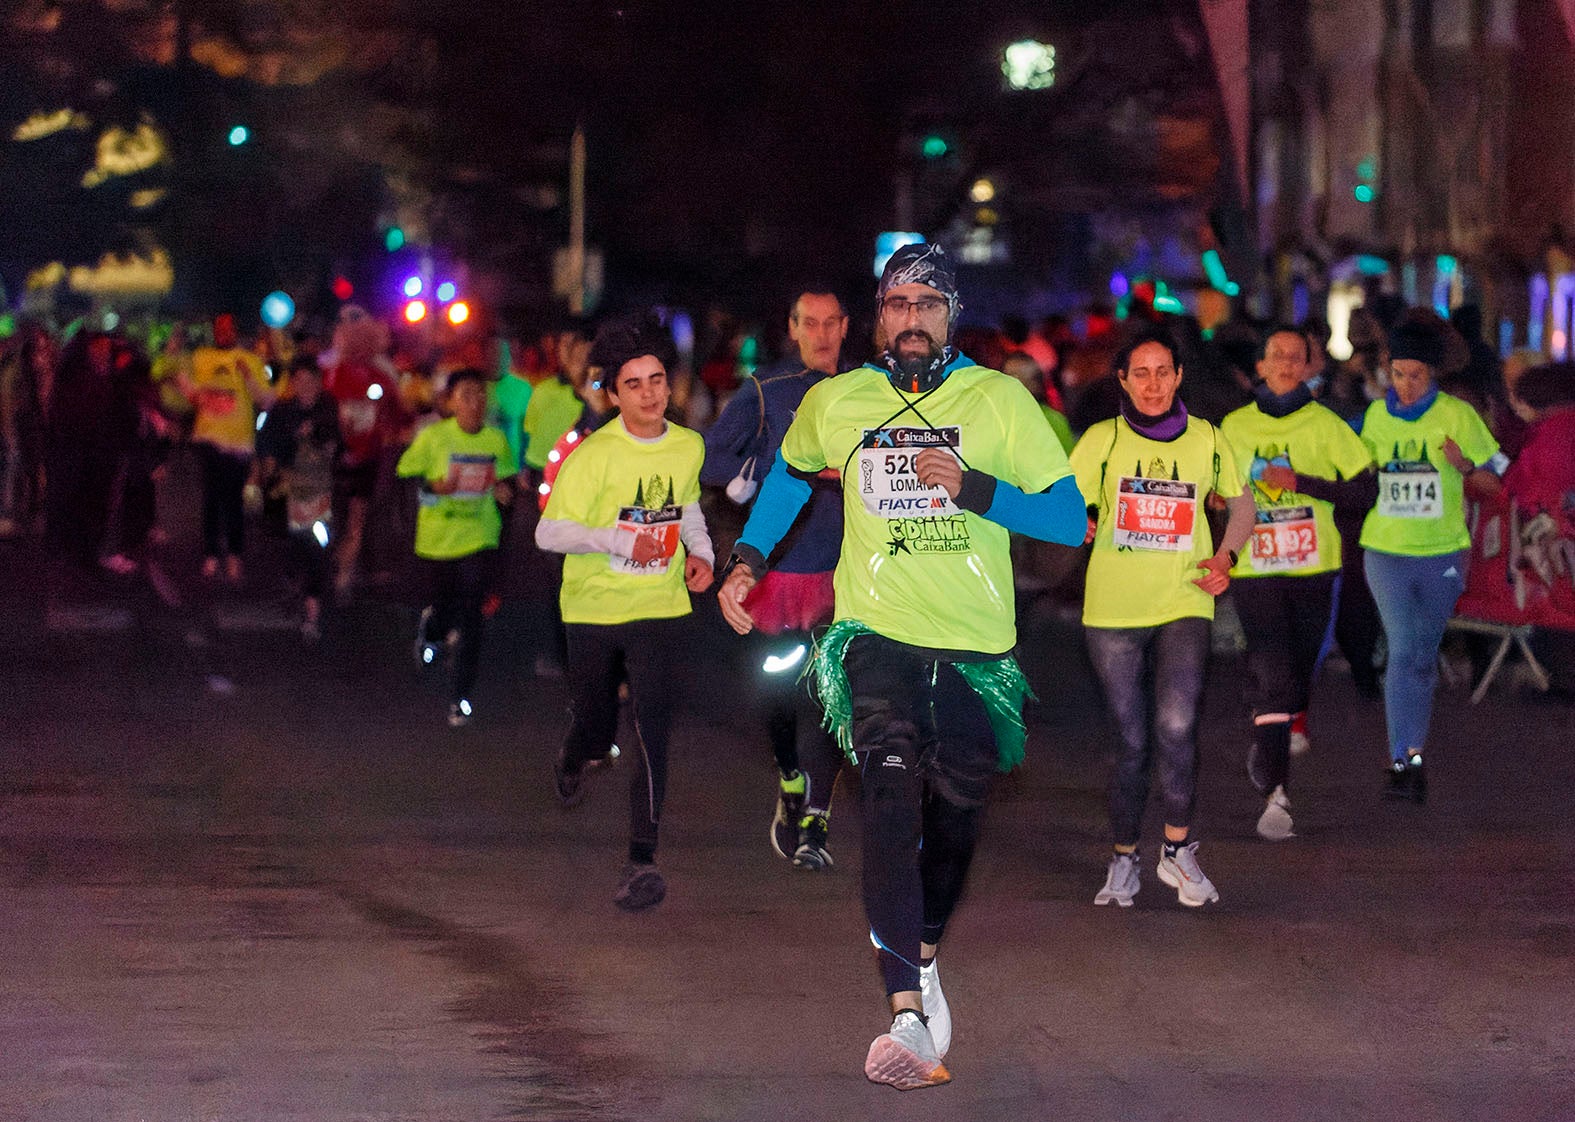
x=1415, y=596
x=1167, y=662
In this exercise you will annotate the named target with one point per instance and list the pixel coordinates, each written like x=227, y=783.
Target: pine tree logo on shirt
x=652, y=502
x=1409, y=456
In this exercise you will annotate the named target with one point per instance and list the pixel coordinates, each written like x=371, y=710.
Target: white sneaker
x=936, y=1009
x=1274, y=824
x=905, y=1057
x=1181, y=872
x=1121, y=880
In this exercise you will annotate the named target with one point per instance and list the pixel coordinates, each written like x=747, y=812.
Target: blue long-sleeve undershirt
x=781, y=497
x=1057, y=514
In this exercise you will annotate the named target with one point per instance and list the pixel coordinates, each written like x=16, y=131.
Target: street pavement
x=245, y=880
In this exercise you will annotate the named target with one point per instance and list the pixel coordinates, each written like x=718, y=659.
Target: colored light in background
x=1364, y=193
x=982, y=191
x=239, y=135
x=413, y=287
x=1119, y=285
x=278, y=309
x=458, y=312
x=342, y=288
x=888, y=242
x=415, y=311
x=1367, y=169
x=934, y=147
x=1029, y=65
x=446, y=292
x=1446, y=263
x=394, y=239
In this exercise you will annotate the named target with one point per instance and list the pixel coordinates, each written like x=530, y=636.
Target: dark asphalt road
x=306, y=898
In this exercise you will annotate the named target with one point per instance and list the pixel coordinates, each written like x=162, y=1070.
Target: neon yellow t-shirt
x=468, y=520
x=552, y=410
x=1295, y=534
x=1420, y=510
x=915, y=567
x=1152, y=531
x=1059, y=425
x=640, y=487
x=226, y=414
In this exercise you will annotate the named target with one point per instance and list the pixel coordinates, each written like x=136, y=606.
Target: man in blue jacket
x=795, y=596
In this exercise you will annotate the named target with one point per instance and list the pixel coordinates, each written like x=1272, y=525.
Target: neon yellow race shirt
x=914, y=566
x=1420, y=510
x=1294, y=534
x=458, y=524
x=226, y=414
x=1152, y=531
x=640, y=487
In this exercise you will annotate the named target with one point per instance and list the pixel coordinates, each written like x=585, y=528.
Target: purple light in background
x=1119, y=285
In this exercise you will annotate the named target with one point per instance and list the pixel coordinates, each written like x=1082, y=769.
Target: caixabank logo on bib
x=929, y=535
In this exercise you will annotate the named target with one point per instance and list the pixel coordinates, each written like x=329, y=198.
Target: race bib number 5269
x=887, y=481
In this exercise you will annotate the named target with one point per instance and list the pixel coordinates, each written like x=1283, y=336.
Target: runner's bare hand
x=1457, y=458
x=647, y=547
x=1282, y=477
x=697, y=575
x=731, y=599
x=1216, y=578
x=937, y=468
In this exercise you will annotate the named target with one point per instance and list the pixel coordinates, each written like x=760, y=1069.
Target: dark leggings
x=457, y=588
x=1167, y=663
x=793, y=718
x=224, y=477
x=1285, y=619
x=308, y=563
x=927, y=756
x=600, y=657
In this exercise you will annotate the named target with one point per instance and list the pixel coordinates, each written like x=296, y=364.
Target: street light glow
x=415, y=311
x=458, y=312
x=446, y=292
x=239, y=135
x=982, y=191
x=1029, y=65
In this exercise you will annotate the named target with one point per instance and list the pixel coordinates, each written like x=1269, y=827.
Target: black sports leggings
x=927, y=755
x=600, y=657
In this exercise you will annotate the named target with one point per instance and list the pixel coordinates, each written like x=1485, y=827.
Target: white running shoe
x=936, y=1009
x=905, y=1057
x=1181, y=872
x=1121, y=880
x=1274, y=824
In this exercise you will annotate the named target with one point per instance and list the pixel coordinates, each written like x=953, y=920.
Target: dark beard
x=915, y=365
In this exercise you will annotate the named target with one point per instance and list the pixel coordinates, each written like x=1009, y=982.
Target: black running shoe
x=1413, y=767
x=642, y=888
x=811, y=853
x=1399, y=781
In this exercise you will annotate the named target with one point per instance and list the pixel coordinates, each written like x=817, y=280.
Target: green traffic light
x=935, y=147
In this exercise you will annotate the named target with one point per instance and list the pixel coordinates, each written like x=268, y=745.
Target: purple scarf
x=1163, y=428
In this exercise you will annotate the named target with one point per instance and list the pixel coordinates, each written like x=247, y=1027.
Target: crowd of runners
x=895, y=511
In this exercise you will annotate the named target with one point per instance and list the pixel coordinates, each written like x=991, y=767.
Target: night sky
x=733, y=148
